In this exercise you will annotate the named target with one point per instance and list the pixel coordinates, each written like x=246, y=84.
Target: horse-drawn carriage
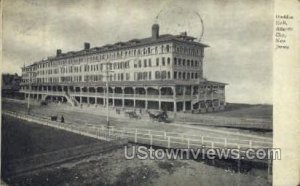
x=133, y=115
x=160, y=116
x=53, y=118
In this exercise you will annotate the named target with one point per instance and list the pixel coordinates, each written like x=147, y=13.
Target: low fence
x=149, y=137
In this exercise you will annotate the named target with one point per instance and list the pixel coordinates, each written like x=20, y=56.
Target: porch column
x=104, y=97
x=134, y=95
x=198, y=99
x=88, y=94
x=184, y=92
x=113, y=96
x=159, y=98
x=96, y=102
x=80, y=95
x=123, y=96
x=146, y=98
x=175, y=102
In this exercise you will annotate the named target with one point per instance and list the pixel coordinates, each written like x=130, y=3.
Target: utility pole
x=108, y=70
x=28, y=100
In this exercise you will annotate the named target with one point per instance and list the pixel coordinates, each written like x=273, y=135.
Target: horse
x=162, y=116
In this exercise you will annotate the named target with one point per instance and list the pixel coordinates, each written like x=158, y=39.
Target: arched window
x=168, y=61
x=167, y=48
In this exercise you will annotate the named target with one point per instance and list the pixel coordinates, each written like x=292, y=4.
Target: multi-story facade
x=158, y=72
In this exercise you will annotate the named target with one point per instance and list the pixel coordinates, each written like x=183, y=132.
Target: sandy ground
x=113, y=169
x=95, y=118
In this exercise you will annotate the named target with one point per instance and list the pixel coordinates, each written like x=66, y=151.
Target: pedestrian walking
x=62, y=119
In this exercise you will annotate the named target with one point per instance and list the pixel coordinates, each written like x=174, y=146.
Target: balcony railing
x=120, y=95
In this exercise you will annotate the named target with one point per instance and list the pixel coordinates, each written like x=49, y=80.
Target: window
x=163, y=61
x=167, y=48
x=149, y=63
x=145, y=62
x=157, y=75
x=163, y=75
x=140, y=63
x=175, y=75
x=183, y=75
x=150, y=76
x=145, y=75
x=183, y=62
x=175, y=61
x=188, y=63
x=168, y=61
x=157, y=61
x=169, y=75
x=179, y=61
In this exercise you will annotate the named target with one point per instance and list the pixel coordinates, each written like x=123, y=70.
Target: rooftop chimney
x=155, y=31
x=58, y=52
x=183, y=33
x=86, y=46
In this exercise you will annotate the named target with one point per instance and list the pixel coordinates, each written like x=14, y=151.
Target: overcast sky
x=239, y=34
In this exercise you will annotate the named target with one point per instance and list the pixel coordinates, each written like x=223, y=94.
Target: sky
x=239, y=33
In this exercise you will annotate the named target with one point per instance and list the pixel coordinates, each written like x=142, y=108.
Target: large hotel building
x=158, y=72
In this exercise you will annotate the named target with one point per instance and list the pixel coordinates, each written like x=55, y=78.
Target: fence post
x=239, y=160
x=122, y=133
x=135, y=136
x=169, y=142
x=269, y=170
x=112, y=129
